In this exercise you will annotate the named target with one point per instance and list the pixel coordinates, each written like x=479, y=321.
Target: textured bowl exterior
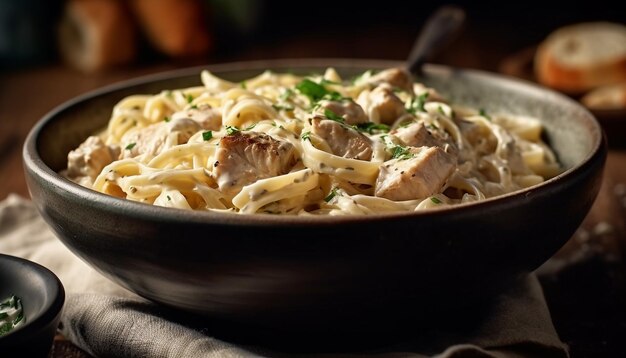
x=42, y=297
x=352, y=273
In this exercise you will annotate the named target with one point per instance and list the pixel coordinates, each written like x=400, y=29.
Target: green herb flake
x=333, y=116
x=207, y=135
x=306, y=136
x=189, y=98
x=130, y=146
x=417, y=103
x=331, y=195
x=371, y=127
x=483, y=113
x=20, y=316
x=230, y=130
x=440, y=109
x=5, y=328
x=314, y=91
x=169, y=198
x=435, y=200
x=167, y=119
x=400, y=152
x=279, y=107
x=250, y=127
x=328, y=82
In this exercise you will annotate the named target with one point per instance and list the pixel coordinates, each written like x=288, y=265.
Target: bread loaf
x=174, y=27
x=96, y=34
x=577, y=58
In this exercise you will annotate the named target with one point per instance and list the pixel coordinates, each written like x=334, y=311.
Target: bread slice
x=577, y=58
x=606, y=97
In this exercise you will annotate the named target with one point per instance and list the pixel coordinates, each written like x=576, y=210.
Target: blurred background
x=53, y=50
x=97, y=35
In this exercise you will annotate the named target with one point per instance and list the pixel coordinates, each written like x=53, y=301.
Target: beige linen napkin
x=109, y=321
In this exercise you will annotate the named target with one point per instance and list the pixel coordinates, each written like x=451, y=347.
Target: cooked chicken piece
x=419, y=176
x=244, y=158
x=343, y=141
x=417, y=135
x=388, y=106
x=208, y=117
x=152, y=139
x=90, y=157
x=350, y=111
x=433, y=95
x=395, y=77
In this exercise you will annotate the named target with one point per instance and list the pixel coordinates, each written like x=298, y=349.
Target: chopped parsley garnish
x=400, y=152
x=189, y=98
x=207, y=135
x=243, y=85
x=279, y=107
x=333, y=116
x=435, y=200
x=417, y=103
x=168, y=198
x=371, y=127
x=317, y=92
x=306, y=136
x=167, y=119
x=167, y=93
x=193, y=106
x=313, y=90
x=250, y=127
x=230, y=130
x=483, y=113
x=440, y=109
x=331, y=195
x=130, y=146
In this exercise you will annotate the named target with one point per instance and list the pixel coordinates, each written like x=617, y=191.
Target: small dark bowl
x=322, y=274
x=42, y=300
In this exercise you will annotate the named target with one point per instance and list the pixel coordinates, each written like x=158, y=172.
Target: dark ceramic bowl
x=42, y=300
x=320, y=273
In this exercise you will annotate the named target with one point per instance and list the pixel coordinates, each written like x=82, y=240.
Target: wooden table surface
x=587, y=295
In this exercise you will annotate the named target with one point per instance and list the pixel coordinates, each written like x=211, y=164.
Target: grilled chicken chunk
x=152, y=139
x=89, y=158
x=419, y=176
x=395, y=77
x=388, y=106
x=207, y=117
x=350, y=111
x=343, y=141
x=244, y=158
x=417, y=135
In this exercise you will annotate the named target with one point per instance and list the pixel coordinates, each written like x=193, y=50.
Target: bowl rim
x=34, y=162
x=54, y=300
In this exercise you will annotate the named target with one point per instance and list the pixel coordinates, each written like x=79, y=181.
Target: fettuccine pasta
x=316, y=145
